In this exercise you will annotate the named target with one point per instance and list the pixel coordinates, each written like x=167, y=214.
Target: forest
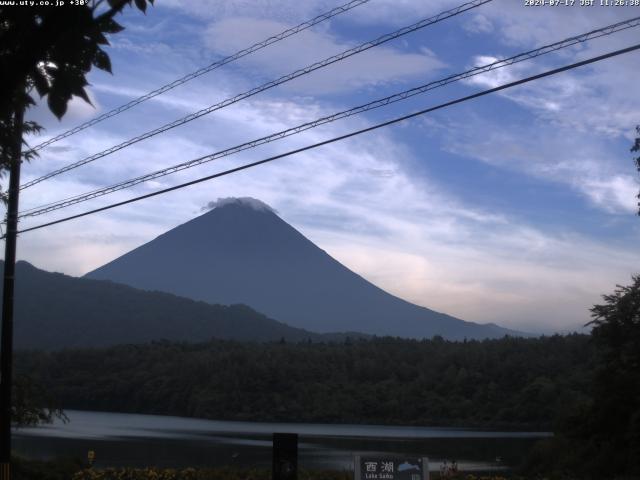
x=514, y=383
x=583, y=388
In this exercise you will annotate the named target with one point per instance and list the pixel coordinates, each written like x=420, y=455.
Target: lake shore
x=129, y=440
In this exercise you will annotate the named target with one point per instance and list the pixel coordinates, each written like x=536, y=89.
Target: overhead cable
x=266, y=86
x=217, y=64
x=341, y=137
x=608, y=30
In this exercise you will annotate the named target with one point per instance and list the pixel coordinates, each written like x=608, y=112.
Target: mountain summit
x=241, y=251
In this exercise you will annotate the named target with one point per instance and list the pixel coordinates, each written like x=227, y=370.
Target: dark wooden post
x=285, y=456
x=6, y=340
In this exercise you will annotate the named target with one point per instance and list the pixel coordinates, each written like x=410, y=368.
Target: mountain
x=58, y=311
x=241, y=251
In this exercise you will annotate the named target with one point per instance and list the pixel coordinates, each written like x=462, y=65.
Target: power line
x=231, y=58
x=356, y=110
x=266, y=86
x=608, y=30
x=343, y=137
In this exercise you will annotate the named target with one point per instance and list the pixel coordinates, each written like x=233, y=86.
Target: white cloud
x=248, y=201
x=399, y=12
x=281, y=10
x=596, y=98
x=515, y=23
x=404, y=233
x=358, y=199
x=479, y=24
x=578, y=160
x=613, y=193
x=607, y=99
x=493, y=78
x=230, y=35
x=580, y=101
x=533, y=284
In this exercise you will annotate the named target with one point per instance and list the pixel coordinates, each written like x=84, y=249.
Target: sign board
x=391, y=468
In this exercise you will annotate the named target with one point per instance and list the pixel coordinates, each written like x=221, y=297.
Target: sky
x=518, y=208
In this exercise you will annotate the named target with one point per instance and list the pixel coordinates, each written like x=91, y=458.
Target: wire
x=608, y=30
x=231, y=58
x=342, y=137
x=266, y=86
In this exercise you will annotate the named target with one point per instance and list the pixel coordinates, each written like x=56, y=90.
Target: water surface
x=144, y=440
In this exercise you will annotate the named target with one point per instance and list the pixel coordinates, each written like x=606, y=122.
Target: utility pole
x=6, y=340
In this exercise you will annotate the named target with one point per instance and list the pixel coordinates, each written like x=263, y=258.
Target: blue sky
x=518, y=208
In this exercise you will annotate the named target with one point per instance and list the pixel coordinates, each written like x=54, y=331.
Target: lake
x=151, y=440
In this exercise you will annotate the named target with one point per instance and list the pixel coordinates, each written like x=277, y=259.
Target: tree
x=598, y=436
x=49, y=49
x=32, y=404
x=614, y=418
x=636, y=149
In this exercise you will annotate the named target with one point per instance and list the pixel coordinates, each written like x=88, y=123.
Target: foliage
x=613, y=429
x=508, y=383
x=554, y=457
x=601, y=439
x=73, y=470
x=199, y=474
x=31, y=404
x=58, y=469
x=8, y=145
x=49, y=49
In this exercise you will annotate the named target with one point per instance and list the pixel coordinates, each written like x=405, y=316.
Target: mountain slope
x=58, y=311
x=242, y=252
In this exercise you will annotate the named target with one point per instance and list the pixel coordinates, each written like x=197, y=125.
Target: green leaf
x=57, y=103
x=102, y=61
x=82, y=93
x=31, y=127
x=142, y=5
x=117, y=3
x=100, y=39
x=28, y=100
x=109, y=25
x=41, y=83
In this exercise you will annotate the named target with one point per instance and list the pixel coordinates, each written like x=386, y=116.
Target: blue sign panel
x=391, y=468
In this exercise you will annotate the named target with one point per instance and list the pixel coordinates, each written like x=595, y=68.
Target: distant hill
x=243, y=252
x=56, y=311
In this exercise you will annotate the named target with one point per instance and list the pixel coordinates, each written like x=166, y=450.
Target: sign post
x=391, y=468
x=285, y=456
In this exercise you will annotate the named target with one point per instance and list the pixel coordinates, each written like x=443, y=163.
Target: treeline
x=508, y=383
